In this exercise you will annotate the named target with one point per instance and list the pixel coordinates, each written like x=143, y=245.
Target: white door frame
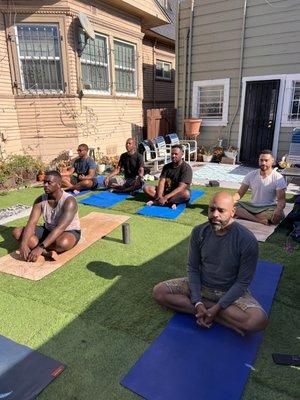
x=279, y=107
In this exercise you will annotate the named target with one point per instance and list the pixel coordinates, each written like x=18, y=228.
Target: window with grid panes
x=125, y=67
x=39, y=57
x=210, y=102
x=294, y=114
x=163, y=70
x=94, y=64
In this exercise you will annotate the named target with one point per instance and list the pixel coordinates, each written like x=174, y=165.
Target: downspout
x=188, y=112
x=240, y=73
x=154, y=73
x=184, y=79
x=176, y=60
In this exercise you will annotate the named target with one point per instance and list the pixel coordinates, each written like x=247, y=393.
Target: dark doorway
x=259, y=119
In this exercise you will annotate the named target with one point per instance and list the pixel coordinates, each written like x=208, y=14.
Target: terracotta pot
x=63, y=170
x=40, y=177
x=192, y=126
x=207, y=158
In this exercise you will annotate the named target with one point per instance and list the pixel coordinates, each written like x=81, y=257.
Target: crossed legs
x=64, y=242
x=251, y=319
x=178, y=198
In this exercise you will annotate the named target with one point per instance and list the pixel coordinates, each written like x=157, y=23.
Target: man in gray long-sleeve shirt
x=222, y=260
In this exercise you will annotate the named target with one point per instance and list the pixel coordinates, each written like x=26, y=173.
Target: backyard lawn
x=96, y=313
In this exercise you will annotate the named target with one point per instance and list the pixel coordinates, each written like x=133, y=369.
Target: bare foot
x=50, y=255
x=150, y=203
x=264, y=221
x=174, y=207
x=76, y=191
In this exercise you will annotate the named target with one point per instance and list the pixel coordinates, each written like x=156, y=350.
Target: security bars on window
x=294, y=114
x=125, y=69
x=39, y=57
x=210, y=101
x=94, y=64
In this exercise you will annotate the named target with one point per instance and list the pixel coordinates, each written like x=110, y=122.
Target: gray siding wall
x=271, y=47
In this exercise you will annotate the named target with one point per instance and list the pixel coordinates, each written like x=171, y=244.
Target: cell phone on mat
x=286, y=359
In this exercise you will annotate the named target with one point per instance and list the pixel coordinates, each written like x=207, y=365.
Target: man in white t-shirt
x=267, y=193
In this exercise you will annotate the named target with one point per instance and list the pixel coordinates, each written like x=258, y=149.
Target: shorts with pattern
x=181, y=286
x=267, y=210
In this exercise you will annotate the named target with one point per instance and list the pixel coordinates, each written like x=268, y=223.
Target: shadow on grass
x=7, y=241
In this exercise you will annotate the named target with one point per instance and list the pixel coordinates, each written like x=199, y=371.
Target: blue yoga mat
x=104, y=199
x=187, y=362
x=167, y=212
x=100, y=180
x=24, y=372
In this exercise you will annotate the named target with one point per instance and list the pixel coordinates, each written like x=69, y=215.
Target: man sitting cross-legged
x=61, y=229
x=267, y=193
x=82, y=174
x=132, y=164
x=174, y=182
x=221, y=263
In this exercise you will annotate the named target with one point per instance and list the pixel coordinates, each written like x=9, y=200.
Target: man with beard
x=267, y=193
x=82, y=174
x=61, y=229
x=132, y=165
x=221, y=263
x=174, y=182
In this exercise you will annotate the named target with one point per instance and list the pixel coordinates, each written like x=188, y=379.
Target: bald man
x=132, y=165
x=221, y=263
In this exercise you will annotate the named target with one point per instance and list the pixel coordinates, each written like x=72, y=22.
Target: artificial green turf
x=96, y=313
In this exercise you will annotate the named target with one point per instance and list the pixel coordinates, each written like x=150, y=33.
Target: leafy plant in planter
x=231, y=152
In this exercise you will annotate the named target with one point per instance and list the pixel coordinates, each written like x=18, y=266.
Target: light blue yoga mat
x=190, y=363
x=104, y=199
x=167, y=212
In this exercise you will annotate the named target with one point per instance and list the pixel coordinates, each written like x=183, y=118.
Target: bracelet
x=197, y=304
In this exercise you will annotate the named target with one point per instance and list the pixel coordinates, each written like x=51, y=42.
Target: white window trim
x=96, y=91
x=285, y=122
x=50, y=91
x=163, y=78
x=127, y=94
x=212, y=82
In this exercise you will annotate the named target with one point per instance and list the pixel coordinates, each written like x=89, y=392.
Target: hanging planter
x=192, y=127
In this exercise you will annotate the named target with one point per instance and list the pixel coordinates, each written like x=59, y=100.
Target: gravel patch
x=14, y=212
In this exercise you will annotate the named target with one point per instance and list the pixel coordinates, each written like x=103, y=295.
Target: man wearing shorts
x=82, y=174
x=267, y=193
x=221, y=263
x=61, y=229
x=174, y=182
x=132, y=165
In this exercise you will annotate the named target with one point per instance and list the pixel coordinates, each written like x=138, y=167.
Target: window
x=163, y=70
x=210, y=101
x=291, y=102
x=94, y=64
x=125, y=69
x=39, y=57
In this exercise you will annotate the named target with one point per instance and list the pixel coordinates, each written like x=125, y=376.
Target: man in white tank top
x=61, y=230
x=267, y=193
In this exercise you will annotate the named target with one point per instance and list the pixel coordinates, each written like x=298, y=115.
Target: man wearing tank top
x=61, y=229
x=267, y=193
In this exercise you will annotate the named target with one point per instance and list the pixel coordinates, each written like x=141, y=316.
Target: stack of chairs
x=189, y=146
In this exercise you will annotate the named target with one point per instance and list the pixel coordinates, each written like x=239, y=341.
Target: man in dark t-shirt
x=81, y=175
x=132, y=165
x=174, y=182
x=221, y=263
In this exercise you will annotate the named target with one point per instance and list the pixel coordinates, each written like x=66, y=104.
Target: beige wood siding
x=10, y=141
x=49, y=124
x=271, y=47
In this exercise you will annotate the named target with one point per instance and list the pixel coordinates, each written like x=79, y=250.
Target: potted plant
x=207, y=155
x=231, y=152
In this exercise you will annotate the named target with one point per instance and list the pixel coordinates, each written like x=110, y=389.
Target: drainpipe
x=184, y=78
x=240, y=73
x=176, y=60
x=188, y=112
x=154, y=73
